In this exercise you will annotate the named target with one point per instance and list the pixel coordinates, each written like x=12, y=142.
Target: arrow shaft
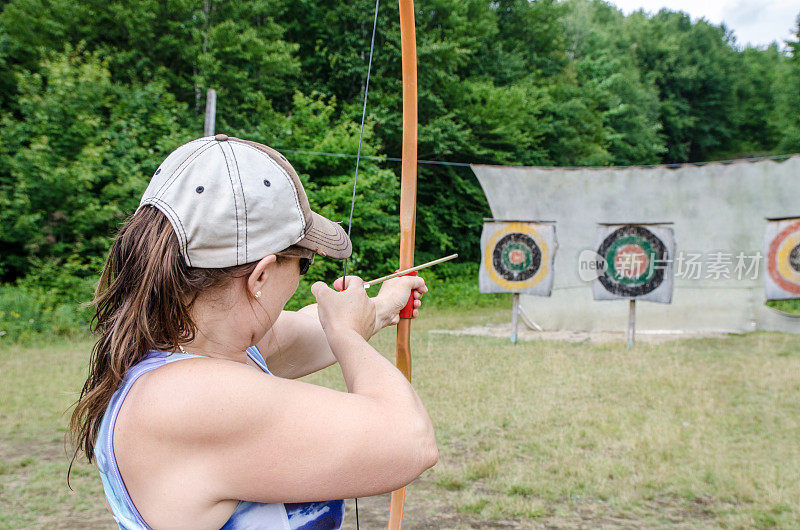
x=382, y=279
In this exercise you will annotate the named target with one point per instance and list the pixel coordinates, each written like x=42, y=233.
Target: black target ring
x=794, y=258
x=653, y=248
x=516, y=257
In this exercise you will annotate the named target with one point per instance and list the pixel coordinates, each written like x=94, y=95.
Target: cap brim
x=326, y=238
x=296, y=252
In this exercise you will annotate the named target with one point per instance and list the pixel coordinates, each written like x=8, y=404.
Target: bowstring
x=358, y=159
x=361, y=133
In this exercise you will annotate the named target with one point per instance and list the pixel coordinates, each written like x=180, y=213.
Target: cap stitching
x=235, y=206
x=181, y=168
x=173, y=216
x=286, y=175
x=333, y=226
x=244, y=199
x=177, y=225
x=319, y=237
x=326, y=242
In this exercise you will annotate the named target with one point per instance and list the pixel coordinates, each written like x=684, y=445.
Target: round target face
x=516, y=257
x=783, y=259
x=632, y=255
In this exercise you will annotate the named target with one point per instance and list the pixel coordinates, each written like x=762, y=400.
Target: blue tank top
x=246, y=516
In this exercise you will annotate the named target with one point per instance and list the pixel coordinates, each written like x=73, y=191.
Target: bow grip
x=408, y=310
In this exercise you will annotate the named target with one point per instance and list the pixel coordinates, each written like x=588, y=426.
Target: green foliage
x=76, y=159
x=28, y=312
x=314, y=123
x=93, y=95
x=787, y=306
x=626, y=99
x=787, y=98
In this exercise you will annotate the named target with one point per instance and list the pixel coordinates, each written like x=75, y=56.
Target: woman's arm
x=296, y=344
x=241, y=434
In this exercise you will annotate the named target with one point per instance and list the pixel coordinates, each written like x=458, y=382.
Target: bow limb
x=408, y=205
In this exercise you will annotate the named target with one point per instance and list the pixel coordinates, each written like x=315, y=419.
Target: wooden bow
x=408, y=207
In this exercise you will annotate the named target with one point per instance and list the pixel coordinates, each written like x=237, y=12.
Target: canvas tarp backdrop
x=719, y=212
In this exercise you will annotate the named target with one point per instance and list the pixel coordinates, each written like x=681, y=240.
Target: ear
x=257, y=278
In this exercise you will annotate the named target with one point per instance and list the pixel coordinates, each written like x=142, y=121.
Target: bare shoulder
x=186, y=397
x=168, y=417
x=216, y=430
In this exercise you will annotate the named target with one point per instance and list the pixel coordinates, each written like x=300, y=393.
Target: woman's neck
x=219, y=334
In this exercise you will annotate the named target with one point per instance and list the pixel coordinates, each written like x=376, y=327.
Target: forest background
x=94, y=94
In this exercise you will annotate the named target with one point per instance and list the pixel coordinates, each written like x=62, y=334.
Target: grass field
x=692, y=433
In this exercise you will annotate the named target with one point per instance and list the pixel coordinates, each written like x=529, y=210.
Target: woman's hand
x=349, y=309
x=392, y=297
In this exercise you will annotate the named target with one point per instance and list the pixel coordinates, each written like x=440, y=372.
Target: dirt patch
x=39, y=448
x=525, y=334
x=425, y=508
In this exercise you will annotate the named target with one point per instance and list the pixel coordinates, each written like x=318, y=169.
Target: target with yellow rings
x=517, y=257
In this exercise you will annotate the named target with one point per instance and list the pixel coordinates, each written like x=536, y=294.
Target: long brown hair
x=143, y=302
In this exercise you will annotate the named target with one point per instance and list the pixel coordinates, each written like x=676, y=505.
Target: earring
x=258, y=294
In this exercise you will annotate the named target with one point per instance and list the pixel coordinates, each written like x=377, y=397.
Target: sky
x=756, y=22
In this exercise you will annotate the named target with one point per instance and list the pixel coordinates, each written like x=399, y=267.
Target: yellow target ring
x=783, y=263
x=495, y=275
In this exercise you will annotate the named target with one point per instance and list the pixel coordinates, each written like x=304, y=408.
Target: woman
x=180, y=410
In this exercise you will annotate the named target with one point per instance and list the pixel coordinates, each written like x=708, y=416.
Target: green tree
x=760, y=76
x=624, y=97
x=76, y=159
x=787, y=113
x=234, y=47
x=691, y=65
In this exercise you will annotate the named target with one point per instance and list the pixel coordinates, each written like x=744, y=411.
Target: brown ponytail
x=143, y=302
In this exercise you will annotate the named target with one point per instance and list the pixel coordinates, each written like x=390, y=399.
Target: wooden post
x=211, y=112
x=515, y=319
x=632, y=323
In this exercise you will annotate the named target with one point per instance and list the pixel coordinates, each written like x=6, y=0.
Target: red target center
x=631, y=261
x=516, y=257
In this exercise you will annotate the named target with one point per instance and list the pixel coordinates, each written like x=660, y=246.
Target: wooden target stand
x=631, y=323
x=518, y=313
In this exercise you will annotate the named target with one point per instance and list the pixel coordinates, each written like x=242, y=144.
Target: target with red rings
x=783, y=260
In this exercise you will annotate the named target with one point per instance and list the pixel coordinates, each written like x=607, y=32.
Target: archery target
x=517, y=257
x=636, y=263
x=782, y=242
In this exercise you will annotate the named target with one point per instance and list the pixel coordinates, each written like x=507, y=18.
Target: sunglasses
x=306, y=257
x=305, y=263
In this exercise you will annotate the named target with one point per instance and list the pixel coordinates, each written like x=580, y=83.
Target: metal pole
x=632, y=323
x=211, y=112
x=515, y=319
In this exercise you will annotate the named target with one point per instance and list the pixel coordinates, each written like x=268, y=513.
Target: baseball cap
x=233, y=201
